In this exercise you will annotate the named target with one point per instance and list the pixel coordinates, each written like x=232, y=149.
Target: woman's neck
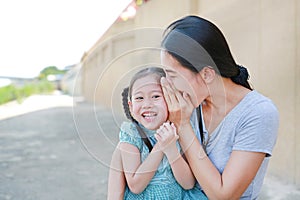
x=224, y=95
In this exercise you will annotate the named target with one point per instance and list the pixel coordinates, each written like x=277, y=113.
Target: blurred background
x=263, y=35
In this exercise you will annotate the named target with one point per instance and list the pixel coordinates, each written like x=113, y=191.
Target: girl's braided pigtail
x=125, y=104
x=129, y=116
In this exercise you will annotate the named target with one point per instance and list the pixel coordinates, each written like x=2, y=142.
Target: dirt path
x=47, y=153
x=53, y=149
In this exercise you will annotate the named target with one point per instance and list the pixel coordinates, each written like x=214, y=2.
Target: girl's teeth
x=149, y=115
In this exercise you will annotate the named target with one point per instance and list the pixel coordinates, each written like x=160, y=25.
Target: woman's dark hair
x=127, y=93
x=195, y=43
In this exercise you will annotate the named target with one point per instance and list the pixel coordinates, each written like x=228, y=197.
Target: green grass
x=12, y=92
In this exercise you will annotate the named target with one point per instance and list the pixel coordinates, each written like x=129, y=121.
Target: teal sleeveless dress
x=163, y=185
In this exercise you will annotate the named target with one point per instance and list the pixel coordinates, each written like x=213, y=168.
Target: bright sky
x=39, y=33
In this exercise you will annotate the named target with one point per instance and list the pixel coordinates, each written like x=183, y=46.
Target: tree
x=51, y=70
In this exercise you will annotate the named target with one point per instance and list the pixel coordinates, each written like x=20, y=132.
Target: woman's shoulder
x=254, y=100
x=254, y=106
x=257, y=107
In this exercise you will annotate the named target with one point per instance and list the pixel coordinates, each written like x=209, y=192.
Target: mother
x=237, y=125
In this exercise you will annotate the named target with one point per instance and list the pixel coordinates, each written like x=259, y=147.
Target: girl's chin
x=151, y=126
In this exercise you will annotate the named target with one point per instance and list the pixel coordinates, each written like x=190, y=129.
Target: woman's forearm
x=236, y=177
x=205, y=172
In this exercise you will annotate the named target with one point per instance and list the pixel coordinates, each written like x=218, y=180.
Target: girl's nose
x=147, y=103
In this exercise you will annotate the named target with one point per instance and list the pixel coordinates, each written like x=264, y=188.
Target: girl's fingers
x=168, y=132
x=173, y=127
x=158, y=137
x=167, y=127
x=159, y=130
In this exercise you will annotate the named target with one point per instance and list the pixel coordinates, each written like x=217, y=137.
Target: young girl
x=151, y=159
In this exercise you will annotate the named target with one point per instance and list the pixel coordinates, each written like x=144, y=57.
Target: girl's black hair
x=195, y=43
x=126, y=96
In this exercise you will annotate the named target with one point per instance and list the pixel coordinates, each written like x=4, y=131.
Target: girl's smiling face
x=147, y=104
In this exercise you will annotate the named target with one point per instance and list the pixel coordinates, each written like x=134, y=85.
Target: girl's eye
x=156, y=96
x=138, y=98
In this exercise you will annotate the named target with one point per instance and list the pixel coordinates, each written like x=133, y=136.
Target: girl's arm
x=167, y=137
x=138, y=174
x=116, y=179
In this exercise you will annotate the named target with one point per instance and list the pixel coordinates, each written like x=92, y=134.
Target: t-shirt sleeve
x=129, y=134
x=257, y=131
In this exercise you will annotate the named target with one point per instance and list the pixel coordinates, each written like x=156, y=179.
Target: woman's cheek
x=181, y=84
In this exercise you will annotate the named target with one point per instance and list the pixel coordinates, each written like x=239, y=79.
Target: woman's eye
x=171, y=76
x=156, y=96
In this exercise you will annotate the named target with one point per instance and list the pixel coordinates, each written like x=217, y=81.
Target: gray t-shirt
x=252, y=125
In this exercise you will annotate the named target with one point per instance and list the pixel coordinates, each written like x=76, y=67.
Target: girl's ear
x=207, y=74
x=130, y=106
x=130, y=109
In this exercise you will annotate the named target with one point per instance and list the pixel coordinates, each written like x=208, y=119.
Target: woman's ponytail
x=242, y=77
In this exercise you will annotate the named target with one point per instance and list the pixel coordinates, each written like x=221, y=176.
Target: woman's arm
x=240, y=169
x=138, y=174
x=236, y=177
x=116, y=179
x=166, y=137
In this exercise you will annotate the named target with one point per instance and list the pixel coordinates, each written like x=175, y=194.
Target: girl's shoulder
x=129, y=134
x=128, y=127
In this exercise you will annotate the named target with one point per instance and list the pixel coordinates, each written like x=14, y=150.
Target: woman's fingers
x=187, y=99
x=172, y=95
x=169, y=92
x=166, y=90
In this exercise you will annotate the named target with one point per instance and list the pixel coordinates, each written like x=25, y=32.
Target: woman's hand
x=179, y=103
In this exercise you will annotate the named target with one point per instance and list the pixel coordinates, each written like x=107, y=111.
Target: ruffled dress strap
x=129, y=134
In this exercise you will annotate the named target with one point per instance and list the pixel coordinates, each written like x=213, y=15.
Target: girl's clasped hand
x=166, y=137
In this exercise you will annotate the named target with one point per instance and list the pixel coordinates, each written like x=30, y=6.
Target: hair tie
x=242, y=76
